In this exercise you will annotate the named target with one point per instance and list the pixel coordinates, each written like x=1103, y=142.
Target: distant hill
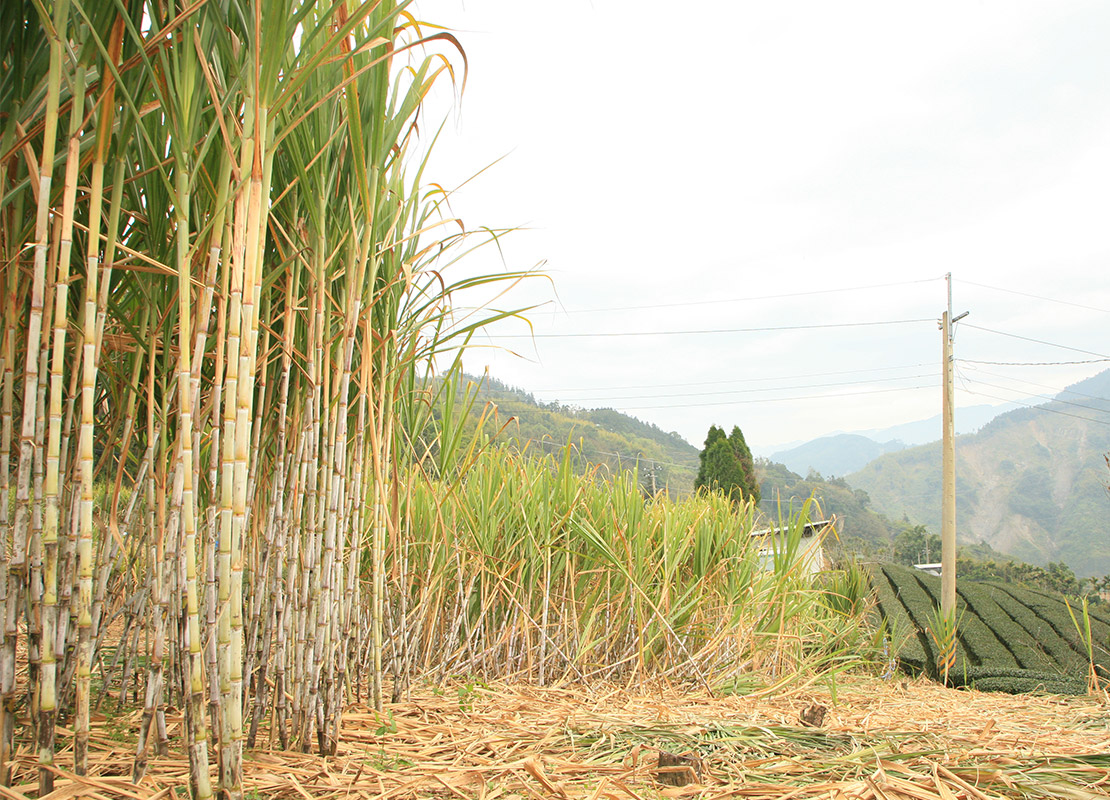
x=968, y=420
x=1031, y=483
x=605, y=437
x=835, y=455
x=863, y=531
x=617, y=442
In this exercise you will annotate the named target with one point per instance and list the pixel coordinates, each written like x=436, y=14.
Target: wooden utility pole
x=948, y=479
x=948, y=474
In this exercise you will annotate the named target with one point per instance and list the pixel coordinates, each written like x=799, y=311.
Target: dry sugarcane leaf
x=534, y=768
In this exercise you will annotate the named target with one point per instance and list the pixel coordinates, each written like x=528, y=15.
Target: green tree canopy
x=727, y=465
x=915, y=545
x=743, y=453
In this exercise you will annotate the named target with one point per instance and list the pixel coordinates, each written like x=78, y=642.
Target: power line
x=745, y=391
x=1033, y=363
x=778, y=399
x=734, y=380
x=1041, y=396
x=745, y=299
x=1037, y=408
x=1042, y=386
x=1036, y=341
x=717, y=331
x=1034, y=296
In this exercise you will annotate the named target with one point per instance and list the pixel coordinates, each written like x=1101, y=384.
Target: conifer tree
x=727, y=465
x=714, y=435
x=750, y=484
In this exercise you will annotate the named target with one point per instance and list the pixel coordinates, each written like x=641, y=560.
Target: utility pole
x=948, y=473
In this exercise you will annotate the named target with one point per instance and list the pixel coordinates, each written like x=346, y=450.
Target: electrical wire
x=734, y=380
x=1056, y=391
x=1046, y=398
x=1034, y=296
x=716, y=331
x=747, y=299
x=1038, y=408
x=1035, y=341
x=1033, y=363
x=779, y=399
x=747, y=391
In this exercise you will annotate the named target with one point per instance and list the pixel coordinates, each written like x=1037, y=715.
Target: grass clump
x=516, y=566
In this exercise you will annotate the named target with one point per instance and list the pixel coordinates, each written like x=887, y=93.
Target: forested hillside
x=863, y=531
x=1031, y=483
x=605, y=437
x=881, y=509
x=618, y=442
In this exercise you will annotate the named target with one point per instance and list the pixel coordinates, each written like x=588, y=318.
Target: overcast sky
x=746, y=165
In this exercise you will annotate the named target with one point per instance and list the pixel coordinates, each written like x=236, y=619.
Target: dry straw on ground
x=899, y=740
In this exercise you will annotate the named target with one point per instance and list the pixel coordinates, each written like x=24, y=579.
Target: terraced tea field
x=1011, y=638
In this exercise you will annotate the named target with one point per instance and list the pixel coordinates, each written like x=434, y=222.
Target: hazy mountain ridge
x=833, y=455
x=851, y=450
x=1031, y=483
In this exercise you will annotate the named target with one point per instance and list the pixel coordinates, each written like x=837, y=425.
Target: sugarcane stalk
x=199, y=743
x=157, y=585
x=8, y=321
x=274, y=583
x=226, y=484
x=90, y=348
x=17, y=567
x=302, y=709
x=52, y=624
x=213, y=603
x=159, y=595
x=263, y=529
x=35, y=587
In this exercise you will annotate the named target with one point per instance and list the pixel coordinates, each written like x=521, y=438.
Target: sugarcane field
x=265, y=536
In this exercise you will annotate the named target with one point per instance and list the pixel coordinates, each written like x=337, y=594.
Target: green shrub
x=982, y=605
x=981, y=645
x=909, y=652
x=1020, y=681
x=919, y=606
x=1041, y=633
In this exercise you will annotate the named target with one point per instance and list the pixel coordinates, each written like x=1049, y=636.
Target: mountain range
x=1031, y=483
x=843, y=453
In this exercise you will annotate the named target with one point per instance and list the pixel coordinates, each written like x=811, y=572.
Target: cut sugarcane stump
x=678, y=770
x=813, y=715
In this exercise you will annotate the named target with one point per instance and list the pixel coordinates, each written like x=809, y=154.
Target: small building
x=810, y=550
x=932, y=569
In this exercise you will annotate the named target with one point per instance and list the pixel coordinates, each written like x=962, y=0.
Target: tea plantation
x=1010, y=639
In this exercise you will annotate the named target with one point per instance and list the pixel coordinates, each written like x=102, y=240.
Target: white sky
x=754, y=164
